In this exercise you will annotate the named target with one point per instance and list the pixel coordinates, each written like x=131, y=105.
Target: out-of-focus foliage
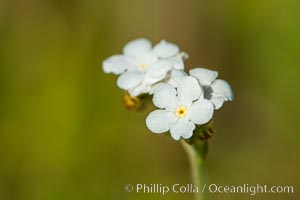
x=64, y=133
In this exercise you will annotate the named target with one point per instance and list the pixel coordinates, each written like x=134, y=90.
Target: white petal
x=129, y=80
x=165, y=49
x=158, y=71
x=140, y=89
x=182, y=128
x=217, y=100
x=201, y=111
x=155, y=87
x=151, y=81
x=160, y=121
x=117, y=64
x=189, y=90
x=222, y=87
x=204, y=76
x=175, y=77
x=137, y=47
x=177, y=63
x=146, y=60
x=165, y=97
x=183, y=56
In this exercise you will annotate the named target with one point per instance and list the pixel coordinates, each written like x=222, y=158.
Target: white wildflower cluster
x=183, y=100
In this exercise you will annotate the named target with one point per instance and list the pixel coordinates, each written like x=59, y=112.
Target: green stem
x=197, y=152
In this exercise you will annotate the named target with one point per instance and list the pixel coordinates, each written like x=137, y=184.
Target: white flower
x=215, y=90
x=180, y=109
x=173, y=78
x=141, y=66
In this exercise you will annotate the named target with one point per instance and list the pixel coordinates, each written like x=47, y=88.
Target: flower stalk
x=197, y=149
x=197, y=153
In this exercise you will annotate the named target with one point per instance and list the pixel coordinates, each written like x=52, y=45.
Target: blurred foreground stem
x=197, y=152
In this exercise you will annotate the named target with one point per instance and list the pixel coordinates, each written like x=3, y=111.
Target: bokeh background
x=64, y=133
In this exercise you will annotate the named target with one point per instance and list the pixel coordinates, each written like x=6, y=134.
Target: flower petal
x=165, y=97
x=130, y=80
x=204, y=76
x=165, y=49
x=160, y=121
x=217, y=100
x=137, y=47
x=182, y=128
x=175, y=77
x=117, y=64
x=201, y=111
x=222, y=87
x=146, y=59
x=177, y=63
x=189, y=90
x=140, y=89
x=183, y=56
x=158, y=71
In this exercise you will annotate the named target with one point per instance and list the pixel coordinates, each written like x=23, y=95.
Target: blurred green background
x=64, y=133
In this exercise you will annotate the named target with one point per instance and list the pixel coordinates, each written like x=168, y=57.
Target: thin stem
x=197, y=153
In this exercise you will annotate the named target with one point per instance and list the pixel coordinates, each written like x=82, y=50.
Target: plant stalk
x=197, y=152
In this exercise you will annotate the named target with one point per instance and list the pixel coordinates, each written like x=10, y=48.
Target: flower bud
x=137, y=103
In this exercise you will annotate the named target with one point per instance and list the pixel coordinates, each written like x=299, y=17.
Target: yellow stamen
x=181, y=111
x=143, y=66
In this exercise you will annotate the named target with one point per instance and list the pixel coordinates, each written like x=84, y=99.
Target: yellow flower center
x=181, y=111
x=143, y=66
